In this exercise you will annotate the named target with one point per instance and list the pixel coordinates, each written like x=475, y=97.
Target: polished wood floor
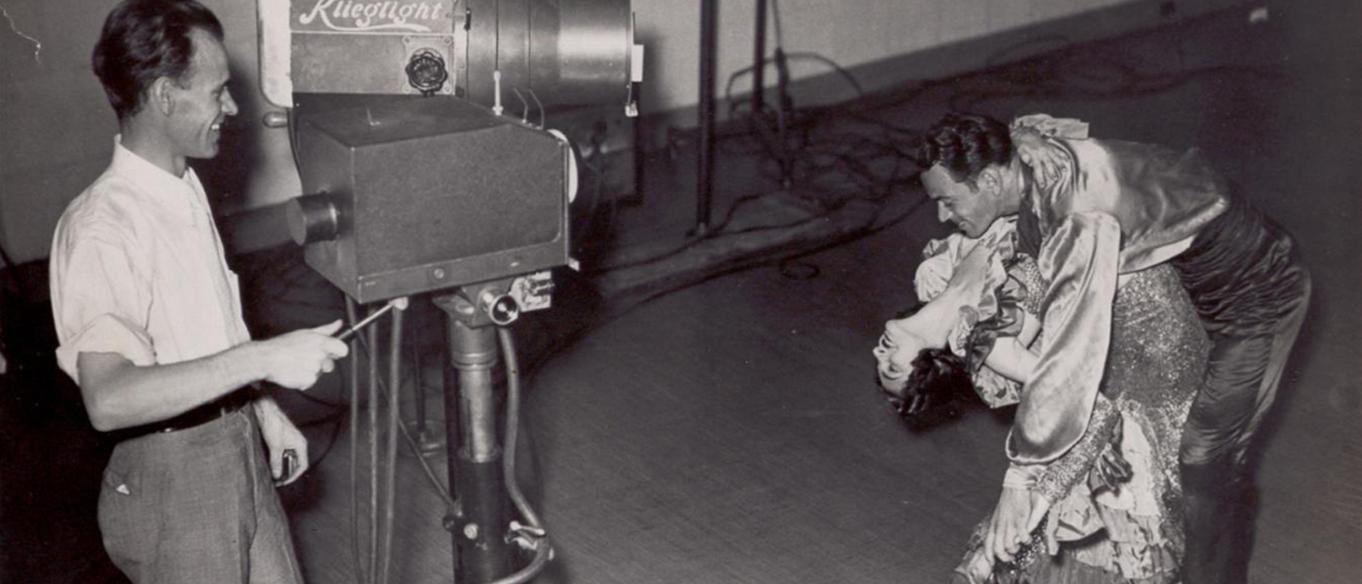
x=731, y=432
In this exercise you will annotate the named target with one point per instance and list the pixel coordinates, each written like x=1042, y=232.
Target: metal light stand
x=709, y=25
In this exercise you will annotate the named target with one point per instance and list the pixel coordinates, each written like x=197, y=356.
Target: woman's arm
x=1011, y=359
x=1010, y=356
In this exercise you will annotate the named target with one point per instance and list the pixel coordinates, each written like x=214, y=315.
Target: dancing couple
x=1137, y=312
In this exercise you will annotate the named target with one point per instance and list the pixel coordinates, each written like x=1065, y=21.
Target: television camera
x=418, y=129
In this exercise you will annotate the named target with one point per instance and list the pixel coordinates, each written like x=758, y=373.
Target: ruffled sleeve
x=995, y=313
x=939, y=258
x=1079, y=261
x=1019, y=297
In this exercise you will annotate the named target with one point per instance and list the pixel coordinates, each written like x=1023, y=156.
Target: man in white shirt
x=148, y=316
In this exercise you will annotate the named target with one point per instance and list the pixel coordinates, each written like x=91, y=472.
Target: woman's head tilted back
x=921, y=378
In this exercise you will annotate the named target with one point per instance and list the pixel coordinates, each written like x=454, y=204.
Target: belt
x=223, y=406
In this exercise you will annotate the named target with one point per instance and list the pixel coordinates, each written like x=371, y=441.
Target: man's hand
x=280, y=436
x=295, y=360
x=1019, y=511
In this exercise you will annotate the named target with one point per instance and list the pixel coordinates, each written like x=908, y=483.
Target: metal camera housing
x=411, y=195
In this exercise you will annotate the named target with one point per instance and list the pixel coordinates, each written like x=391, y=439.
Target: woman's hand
x=1035, y=152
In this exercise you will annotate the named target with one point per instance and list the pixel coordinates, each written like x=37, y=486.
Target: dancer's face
x=899, y=345
x=971, y=205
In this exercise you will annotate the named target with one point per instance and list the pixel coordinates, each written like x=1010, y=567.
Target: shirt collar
x=175, y=193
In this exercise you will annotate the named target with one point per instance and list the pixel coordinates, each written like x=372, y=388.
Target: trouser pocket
x=126, y=528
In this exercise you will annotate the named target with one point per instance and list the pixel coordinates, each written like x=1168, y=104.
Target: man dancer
x=148, y=316
x=1091, y=211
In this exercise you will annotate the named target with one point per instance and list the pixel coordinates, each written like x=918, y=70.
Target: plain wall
x=56, y=128
x=849, y=33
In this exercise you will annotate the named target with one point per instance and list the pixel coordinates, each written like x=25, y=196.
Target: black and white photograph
x=680, y=291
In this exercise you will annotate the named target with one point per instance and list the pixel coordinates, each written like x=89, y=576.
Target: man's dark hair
x=965, y=144
x=146, y=39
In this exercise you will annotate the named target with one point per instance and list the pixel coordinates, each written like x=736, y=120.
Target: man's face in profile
x=201, y=100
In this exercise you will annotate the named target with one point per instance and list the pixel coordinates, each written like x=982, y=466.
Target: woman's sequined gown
x=1157, y=356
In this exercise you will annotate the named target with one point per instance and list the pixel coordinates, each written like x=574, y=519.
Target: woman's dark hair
x=965, y=144
x=143, y=40
x=937, y=385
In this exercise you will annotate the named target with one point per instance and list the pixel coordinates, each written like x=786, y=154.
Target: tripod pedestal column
x=481, y=553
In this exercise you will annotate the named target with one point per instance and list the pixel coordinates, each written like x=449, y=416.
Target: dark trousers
x=1241, y=382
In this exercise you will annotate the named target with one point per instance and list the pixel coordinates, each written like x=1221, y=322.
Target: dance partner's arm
x=1079, y=260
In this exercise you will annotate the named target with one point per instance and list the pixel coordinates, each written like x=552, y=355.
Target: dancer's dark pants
x=1252, y=295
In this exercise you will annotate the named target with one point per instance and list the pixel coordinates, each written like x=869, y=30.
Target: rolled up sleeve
x=101, y=300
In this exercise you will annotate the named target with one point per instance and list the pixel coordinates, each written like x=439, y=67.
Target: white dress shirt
x=137, y=268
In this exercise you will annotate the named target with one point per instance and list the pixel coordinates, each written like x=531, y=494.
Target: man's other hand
x=281, y=436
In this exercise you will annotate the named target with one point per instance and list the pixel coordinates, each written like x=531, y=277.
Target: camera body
x=411, y=195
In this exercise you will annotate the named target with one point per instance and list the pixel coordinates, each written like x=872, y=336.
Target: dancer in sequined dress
x=1093, y=212
x=1100, y=527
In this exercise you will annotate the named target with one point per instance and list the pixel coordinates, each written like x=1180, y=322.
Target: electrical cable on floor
x=718, y=232
x=798, y=269
x=734, y=106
